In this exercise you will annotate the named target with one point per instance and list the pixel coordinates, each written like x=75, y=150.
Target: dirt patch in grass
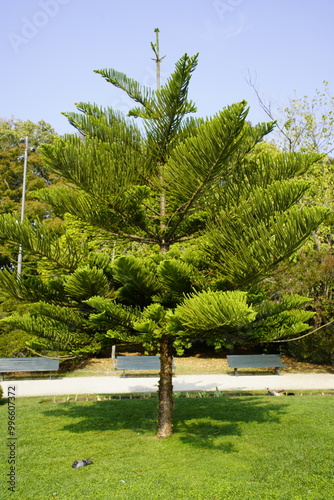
x=192, y=365
x=198, y=364
x=293, y=366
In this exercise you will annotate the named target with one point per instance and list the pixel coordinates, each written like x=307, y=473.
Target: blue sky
x=49, y=49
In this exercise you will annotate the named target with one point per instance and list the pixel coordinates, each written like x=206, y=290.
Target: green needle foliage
x=213, y=215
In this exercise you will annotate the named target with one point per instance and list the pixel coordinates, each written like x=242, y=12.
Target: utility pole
x=23, y=201
x=155, y=48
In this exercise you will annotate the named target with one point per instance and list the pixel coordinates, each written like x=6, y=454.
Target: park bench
x=138, y=363
x=11, y=365
x=255, y=361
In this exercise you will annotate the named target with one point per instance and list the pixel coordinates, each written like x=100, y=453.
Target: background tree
x=12, y=131
x=11, y=173
x=307, y=124
x=173, y=180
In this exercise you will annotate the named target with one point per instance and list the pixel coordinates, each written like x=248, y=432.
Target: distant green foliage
x=14, y=342
x=311, y=274
x=12, y=152
x=13, y=129
x=317, y=348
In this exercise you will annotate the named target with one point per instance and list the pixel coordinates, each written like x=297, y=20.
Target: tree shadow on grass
x=213, y=420
x=197, y=422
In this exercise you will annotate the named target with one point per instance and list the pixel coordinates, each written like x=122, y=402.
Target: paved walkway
x=120, y=385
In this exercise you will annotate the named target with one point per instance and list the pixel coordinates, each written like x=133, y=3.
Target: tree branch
x=303, y=336
x=50, y=357
x=267, y=110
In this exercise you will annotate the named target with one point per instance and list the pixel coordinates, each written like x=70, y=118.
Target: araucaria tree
x=173, y=183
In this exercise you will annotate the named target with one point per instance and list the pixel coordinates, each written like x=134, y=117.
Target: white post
x=113, y=356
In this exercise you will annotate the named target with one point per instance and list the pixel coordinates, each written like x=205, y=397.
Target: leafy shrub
x=1, y=392
x=317, y=348
x=13, y=342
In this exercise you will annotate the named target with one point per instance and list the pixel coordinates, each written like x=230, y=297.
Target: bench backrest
x=139, y=363
x=254, y=361
x=28, y=364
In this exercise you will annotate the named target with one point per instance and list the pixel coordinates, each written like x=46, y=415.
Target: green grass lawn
x=229, y=447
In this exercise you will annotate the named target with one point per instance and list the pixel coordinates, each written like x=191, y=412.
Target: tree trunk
x=166, y=403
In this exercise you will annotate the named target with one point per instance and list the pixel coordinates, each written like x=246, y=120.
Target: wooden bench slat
x=139, y=366
x=138, y=363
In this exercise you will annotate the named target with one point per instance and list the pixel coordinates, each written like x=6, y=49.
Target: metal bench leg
x=236, y=372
